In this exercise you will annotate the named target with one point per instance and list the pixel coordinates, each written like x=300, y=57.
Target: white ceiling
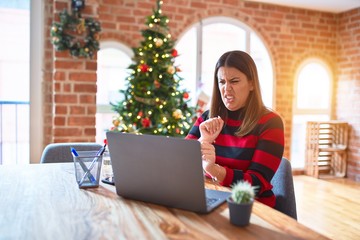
x=334, y=6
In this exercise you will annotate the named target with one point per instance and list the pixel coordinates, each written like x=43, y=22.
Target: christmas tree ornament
x=158, y=42
x=116, y=122
x=145, y=122
x=174, y=53
x=186, y=95
x=171, y=69
x=157, y=84
x=144, y=68
x=177, y=114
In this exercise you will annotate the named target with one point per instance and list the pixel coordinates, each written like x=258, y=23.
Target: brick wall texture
x=291, y=35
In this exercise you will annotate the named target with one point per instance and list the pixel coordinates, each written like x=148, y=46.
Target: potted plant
x=240, y=203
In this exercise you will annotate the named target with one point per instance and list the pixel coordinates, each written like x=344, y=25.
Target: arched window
x=206, y=41
x=113, y=61
x=312, y=102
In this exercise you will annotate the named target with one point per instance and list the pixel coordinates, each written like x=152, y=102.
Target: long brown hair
x=254, y=107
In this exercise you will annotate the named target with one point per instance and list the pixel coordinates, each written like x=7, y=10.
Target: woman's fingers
x=213, y=125
x=211, y=128
x=208, y=152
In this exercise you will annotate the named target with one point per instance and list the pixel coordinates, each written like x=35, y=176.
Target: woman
x=240, y=138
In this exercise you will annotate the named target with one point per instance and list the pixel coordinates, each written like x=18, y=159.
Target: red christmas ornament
x=174, y=53
x=145, y=122
x=144, y=68
x=186, y=95
x=140, y=114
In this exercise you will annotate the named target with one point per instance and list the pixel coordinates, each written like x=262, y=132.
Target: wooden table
x=43, y=201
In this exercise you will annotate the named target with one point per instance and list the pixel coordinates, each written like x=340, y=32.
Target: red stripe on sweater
x=233, y=163
x=266, y=159
x=248, y=141
x=267, y=117
x=270, y=201
x=274, y=135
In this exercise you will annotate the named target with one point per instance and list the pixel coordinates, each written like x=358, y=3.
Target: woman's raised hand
x=210, y=129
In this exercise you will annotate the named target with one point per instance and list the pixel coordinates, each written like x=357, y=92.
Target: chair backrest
x=60, y=152
x=283, y=188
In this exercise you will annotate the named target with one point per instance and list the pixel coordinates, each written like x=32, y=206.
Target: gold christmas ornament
x=80, y=28
x=159, y=42
x=171, y=69
x=116, y=122
x=177, y=114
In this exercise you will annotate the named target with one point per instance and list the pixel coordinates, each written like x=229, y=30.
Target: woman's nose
x=227, y=86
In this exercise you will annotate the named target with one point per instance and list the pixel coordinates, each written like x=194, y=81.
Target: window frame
x=104, y=109
x=232, y=21
x=36, y=75
x=312, y=113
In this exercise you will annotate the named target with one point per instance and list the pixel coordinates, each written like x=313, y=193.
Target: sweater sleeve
x=194, y=132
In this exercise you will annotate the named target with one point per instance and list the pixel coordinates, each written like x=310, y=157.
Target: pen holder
x=87, y=168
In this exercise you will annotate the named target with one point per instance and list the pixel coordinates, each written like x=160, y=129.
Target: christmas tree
x=153, y=102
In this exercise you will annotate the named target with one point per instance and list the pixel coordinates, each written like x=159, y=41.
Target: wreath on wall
x=78, y=35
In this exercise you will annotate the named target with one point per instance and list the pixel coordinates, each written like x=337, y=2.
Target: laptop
x=161, y=170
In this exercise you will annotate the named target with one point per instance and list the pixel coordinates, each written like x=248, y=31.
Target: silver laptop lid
x=157, y=169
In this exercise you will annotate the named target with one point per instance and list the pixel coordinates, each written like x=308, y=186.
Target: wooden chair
x=60, y=152
x=283, y=188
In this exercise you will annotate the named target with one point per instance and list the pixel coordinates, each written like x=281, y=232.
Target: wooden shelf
x=326, y=148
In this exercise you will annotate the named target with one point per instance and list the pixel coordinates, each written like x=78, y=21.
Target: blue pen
x=98, y=154
x=83, y=166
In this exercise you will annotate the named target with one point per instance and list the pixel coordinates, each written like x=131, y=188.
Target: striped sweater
x=254, y=157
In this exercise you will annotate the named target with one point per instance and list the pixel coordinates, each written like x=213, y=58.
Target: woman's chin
x=232, y=107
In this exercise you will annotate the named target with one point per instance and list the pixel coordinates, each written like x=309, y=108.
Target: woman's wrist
x=201, y=139
x=216, y=172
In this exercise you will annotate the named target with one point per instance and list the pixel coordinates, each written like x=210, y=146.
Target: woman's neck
x=237, y=114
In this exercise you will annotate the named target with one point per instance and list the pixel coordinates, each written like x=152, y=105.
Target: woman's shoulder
x=271, y=115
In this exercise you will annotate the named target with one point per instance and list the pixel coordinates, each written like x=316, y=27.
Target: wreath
x=78, y=44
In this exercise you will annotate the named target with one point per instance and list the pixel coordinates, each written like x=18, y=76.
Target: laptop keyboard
x=210, y=201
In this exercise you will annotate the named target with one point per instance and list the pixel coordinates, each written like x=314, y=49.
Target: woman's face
x=234, y=87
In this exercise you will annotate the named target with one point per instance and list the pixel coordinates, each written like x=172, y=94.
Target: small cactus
x=242, y=192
